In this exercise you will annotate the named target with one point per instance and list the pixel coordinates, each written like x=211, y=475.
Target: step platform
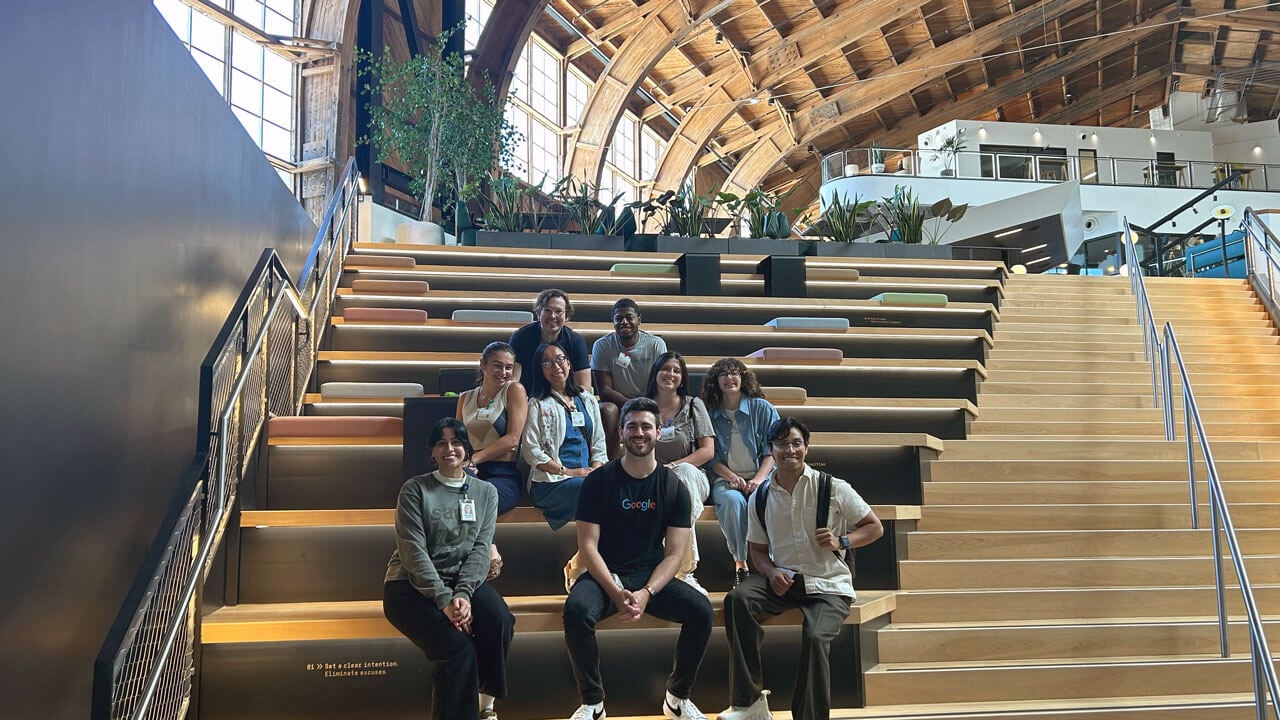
x=323, y=672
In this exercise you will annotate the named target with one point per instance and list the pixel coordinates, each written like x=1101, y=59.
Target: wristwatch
x=844, y=542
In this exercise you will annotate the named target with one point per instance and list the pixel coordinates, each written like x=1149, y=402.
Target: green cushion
x=908, y=298
x=644, y=269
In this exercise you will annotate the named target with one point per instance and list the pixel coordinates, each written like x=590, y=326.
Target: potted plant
x=843, y=221
x=768, y=228
x=599, y=225
x=683, y=218
x=950, y=147
x=510, y=210
x=432, y=123
x=909, y=224
x=876, y=155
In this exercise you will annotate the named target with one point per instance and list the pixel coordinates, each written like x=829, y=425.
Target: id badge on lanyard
x=467, y=506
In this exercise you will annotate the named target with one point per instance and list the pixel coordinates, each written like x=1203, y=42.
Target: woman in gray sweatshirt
x=435, y=591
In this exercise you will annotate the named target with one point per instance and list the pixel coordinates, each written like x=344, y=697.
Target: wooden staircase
x=1055, y=572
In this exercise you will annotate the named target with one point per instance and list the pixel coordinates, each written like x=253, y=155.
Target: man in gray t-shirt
x=620, y=365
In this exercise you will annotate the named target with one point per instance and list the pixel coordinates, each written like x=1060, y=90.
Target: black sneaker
x=739, y=576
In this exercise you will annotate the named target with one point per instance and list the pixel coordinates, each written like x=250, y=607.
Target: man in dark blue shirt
x=552, y=311
x=633, y=532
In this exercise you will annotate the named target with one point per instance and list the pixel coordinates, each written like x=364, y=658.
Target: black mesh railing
x=259, y=366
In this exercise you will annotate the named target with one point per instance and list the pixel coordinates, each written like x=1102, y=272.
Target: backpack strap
x=824, y=505
x=762, y=497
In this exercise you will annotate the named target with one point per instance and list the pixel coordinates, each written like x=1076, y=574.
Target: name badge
x=624, y=360
x=577, y=418
x=667, y=433
x=468, y=508
x=484, y=414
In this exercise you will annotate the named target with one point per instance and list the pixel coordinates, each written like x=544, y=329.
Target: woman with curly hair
x=741, y=418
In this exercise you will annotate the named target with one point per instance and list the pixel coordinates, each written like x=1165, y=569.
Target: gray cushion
x=809, y=323
x=349, y=390
x=505, y=317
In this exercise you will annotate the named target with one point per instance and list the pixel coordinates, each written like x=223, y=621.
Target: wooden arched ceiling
x=841, y=73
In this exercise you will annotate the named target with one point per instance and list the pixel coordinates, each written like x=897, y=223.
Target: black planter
x=575, y=241
x=767, y=246
x=494, y=238
x=644, y=242
x=880, y=250
x=549, y=241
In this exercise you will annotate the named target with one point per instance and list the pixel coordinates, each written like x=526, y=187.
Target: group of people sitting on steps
x=634, y=516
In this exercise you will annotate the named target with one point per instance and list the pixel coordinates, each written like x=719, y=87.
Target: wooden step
x=1085, y=492
x=817, y=439
x=1107, y=638
x=1243, y=377
x=1259, y=356
x=1076, y=572
x=1019, y=470
x=1182, y=323
x=1201, y=706
x=1050, y=605
x=995, y=544
x=1102, y=449
x=1151, y=430
x=1136, y=386
x=997, y=414
x=1085, y=678
x=321, y=621
x=1195, y=368
x=1063, y=399
x=1084, y=517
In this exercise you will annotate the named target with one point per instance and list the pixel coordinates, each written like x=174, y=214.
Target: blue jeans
x=731, y=511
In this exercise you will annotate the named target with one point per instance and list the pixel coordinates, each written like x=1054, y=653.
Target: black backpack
x=822, y=517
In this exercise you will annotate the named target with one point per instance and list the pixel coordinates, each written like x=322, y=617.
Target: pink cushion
x=398, y=261
x=335, y=426
x=392, y=315
x=392, y=287
x=802, y=354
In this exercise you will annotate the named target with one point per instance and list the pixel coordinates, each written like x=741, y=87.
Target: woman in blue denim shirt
x=741, y=418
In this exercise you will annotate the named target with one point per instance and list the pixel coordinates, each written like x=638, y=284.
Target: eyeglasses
x=557, y=360
x=793, y=445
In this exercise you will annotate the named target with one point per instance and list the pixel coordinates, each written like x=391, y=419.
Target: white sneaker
x=684, y=709
x=589, y=712
x=758, y=710
x=692, y=582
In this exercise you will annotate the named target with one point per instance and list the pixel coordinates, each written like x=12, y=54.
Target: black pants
x=465, y=665
x=677, y=602
x=752, y=601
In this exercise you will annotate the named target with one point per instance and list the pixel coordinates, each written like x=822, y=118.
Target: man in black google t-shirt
x=633, y=532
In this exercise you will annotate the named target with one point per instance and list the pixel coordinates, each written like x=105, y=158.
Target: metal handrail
x=1166, y=353
x=245, y=379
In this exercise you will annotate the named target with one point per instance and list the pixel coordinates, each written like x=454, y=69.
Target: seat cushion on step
x=809, y=323
x=785, y=395
x=365, y=390
x=392, y=261
x=905, y=298
x=504, y=317
x=817, y=355
x=644, y=269
x=335, y=426
x=391, y=287
x=385, y=315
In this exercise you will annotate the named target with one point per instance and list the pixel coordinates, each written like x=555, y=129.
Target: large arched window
x=259, y=84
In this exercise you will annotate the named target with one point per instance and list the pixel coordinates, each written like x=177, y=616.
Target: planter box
x=767, y=246
x=493, y=238
x=548, y=241
x=575, y=241
x=881, y=250
x=645, y=242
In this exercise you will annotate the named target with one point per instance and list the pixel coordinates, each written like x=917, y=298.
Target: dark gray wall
x=132, y=207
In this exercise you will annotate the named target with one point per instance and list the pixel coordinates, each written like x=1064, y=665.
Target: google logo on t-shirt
x=641, y=505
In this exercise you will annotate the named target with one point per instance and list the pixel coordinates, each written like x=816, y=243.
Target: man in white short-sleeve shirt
x=800, y=565
x=620, y=365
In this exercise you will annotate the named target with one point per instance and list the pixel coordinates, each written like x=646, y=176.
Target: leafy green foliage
x=905, y=220
x=431, y=121
x=512, y=205
x=845, y=219
x=579, y=199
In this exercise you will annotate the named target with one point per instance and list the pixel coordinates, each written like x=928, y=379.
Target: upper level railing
x=1166, y=355
x=259, y=366
x=1024, y=167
